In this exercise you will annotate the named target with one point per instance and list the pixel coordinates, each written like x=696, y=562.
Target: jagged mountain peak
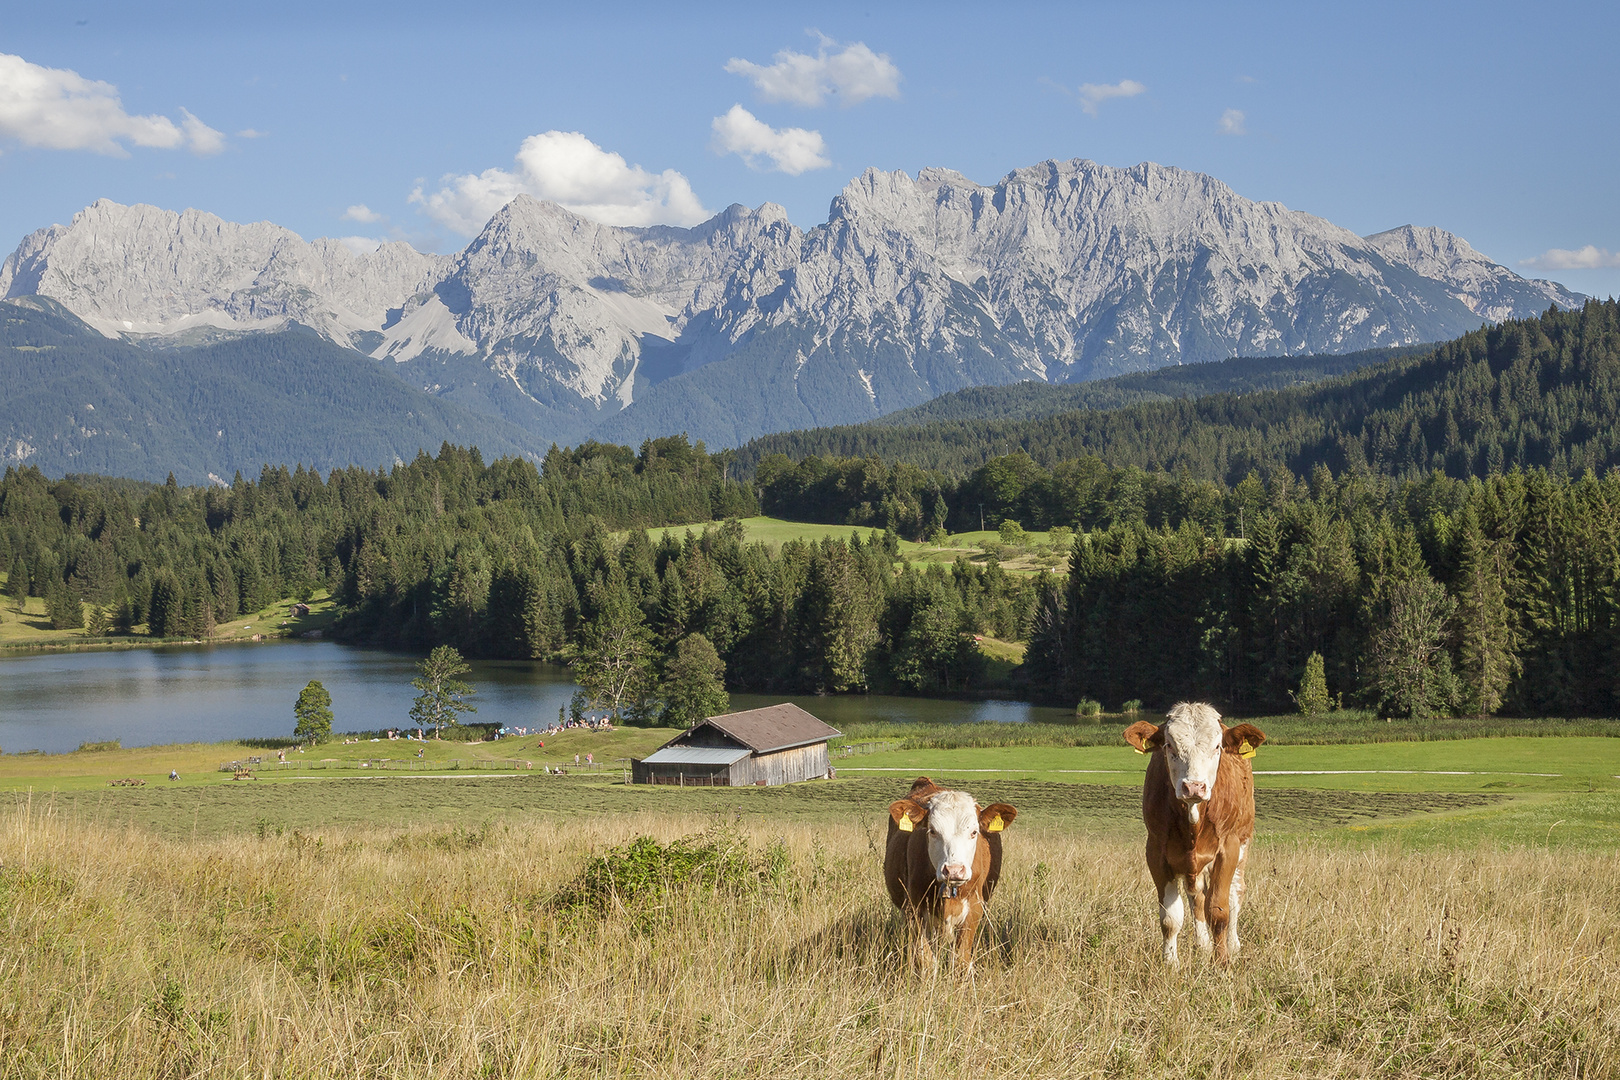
x=141, y=270
x=915, y=285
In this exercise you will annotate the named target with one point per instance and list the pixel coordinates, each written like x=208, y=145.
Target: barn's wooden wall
x=782, y=767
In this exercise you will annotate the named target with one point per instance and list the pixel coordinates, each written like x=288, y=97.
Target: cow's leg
x=1198, y=892
x=1220, y=900
x=1168, y=889
x=965, y=936
x=926, y=928
x=1236, y=900
x=1170, y=913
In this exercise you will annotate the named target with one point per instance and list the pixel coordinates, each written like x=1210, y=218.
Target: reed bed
x=495, y=952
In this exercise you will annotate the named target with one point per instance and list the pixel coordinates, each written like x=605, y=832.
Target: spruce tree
x=1313, y=698
x=62, y=606
x=694, y=686
x=1486, y=636
x=17, y=582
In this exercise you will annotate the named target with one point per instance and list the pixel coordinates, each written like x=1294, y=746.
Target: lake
x=55, y=700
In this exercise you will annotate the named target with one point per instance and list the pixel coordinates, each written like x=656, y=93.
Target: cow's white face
x=1192, y=748
x=953, y=835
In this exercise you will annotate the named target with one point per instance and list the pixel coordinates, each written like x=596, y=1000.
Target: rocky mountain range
x=746, y=324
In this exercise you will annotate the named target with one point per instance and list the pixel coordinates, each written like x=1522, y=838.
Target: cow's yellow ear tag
x=1139, y=750
x=996, y=824
x=904, y=821
x=1246, y=750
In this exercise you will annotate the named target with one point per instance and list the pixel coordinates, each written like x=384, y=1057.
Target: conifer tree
x=17, y=582
x=694, y=686
x=1486, y=636
x=1312, y=698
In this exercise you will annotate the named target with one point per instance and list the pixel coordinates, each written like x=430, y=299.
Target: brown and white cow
x=1198, y=805
x=941, y=863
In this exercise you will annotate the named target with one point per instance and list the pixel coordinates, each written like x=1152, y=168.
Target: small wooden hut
x=775, y=745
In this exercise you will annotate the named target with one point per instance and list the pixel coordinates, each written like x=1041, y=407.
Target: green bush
x=1088, y=707
x=1131, y=707
x=639, y=877
x=1313, y=698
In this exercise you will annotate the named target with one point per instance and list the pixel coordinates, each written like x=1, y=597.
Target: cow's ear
x=1143, y=736
x=1243, y=739
x=906, y=814
x=996, y=816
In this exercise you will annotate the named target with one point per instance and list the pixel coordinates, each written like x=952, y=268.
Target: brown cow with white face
x=941, y=863
x=1198, y=805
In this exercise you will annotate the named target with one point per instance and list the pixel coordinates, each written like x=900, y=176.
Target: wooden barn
x=775, y=745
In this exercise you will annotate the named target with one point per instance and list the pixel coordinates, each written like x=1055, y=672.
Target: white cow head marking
x=1193, y=740
x=953, y=835
x=1192, y=747
x=952, y=822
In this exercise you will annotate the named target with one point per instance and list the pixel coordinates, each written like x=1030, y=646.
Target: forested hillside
x=1532, y=392
x=1031, y=400
x=78, y=402
x=506, y=560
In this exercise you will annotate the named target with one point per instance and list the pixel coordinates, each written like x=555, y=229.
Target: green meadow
x=1033, y=555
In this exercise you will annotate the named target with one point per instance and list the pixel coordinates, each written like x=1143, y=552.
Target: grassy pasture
x=967, y=545
x=439, y=949
x=29, y=627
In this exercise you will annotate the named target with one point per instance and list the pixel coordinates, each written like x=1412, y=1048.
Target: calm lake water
x=53, y=701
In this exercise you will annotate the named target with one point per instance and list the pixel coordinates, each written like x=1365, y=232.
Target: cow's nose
x=1194, y=790
x=955, y=872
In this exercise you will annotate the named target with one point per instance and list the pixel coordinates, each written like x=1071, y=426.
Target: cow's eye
x=973, y=834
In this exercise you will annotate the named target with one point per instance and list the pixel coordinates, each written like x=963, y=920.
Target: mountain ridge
x=1064, y=271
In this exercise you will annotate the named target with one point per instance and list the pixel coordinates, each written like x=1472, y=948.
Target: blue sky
x=1495, y=121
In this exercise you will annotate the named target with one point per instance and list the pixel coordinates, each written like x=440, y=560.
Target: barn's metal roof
x=696, y=755
x=777, y=727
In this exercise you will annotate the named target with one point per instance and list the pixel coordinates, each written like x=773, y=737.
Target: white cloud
x=57, y=109
x=362, y=213
x=203, y=139
x=251, y=133
x=568, y=169
x=1231, y=123
x=360, y=245
x=1094, y=94
x=1589, y=257
x=790, y=150
x=852, y=74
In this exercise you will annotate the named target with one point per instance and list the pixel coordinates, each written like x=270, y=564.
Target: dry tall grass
x=440, y=953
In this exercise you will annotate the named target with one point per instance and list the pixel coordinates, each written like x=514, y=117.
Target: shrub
x=1131, y=707
x=1313, y=699
x=1088, y=707
x=643, y=874
x=1012, y=533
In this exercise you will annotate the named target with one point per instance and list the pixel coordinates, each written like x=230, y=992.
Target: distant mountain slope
x=1062, y=272
x=1239, y=375
x=1534, y=392
x=79, y=402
